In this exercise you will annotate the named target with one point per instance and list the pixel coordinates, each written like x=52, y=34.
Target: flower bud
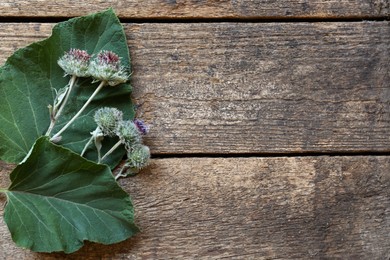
x=128, y=133
x=138, y=157
x=75, y=62
x=142, y=127
x=107, y=119
x=107, y=67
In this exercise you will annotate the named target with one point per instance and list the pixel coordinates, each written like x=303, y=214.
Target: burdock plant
x=57, y=198
x=105, y=68
x=75, y=63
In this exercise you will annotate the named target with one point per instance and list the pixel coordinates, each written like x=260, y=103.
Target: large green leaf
x=58, y=199
x=28, y=77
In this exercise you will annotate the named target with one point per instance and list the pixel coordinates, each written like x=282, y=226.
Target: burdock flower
x=138, y=157
x=128, y=133
x=107, y=119
x=107, y=67
x=129, y=136
x=75, y=62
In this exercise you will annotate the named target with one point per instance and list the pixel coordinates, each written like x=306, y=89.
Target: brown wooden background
x=270, y=126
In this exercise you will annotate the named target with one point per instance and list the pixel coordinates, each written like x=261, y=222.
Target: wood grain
x=168, y=9
x=250, y=208
x=255, y=88
x=263, y=88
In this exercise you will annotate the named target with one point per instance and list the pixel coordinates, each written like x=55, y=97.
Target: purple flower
x=142, y=127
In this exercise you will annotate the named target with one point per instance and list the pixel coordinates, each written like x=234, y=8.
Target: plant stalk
x=111, y=150
x=58, y=113
x=102, y=84
x=120, y=174
x=71, y=85
x=3, y=190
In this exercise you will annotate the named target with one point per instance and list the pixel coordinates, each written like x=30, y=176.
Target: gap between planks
x=53, y=19
x=268, y=155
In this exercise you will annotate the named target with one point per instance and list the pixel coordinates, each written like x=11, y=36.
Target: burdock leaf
x=58, y=199
x=30, y=75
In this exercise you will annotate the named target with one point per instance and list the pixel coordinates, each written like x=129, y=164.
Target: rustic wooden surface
x=220, y=96
x=166, y=9
x=251, y=208
x=250, y=88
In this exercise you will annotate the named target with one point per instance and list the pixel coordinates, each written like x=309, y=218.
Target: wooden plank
x=167, y=9
x=251, y=208
x=255, y=88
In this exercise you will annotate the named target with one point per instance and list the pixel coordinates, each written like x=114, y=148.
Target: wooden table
x=270, y=126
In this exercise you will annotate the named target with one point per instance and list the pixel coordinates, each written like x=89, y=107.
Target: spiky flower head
x=106, y=66
x=128, y=133
x=107, y=119
x=142, y=127
x=75, y=62
x=138, y=157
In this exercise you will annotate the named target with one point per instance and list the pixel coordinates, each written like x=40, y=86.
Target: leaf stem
x=57, y=114
x=3, y=190
x=111, y=150
x=102, y=84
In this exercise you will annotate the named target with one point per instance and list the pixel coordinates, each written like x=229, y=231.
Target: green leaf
x=30, y=75
x=58, y=199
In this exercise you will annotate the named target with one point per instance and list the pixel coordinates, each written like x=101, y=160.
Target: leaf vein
x=31, y=106
x=32, y=212
x=14, y=121
x=62, y=216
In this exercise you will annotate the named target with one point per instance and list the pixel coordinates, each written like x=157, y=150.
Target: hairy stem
x=102, y=84
x=63, y=103
x=119, y=175
x=111, y=150
x=127, y=174
x=99, y=154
